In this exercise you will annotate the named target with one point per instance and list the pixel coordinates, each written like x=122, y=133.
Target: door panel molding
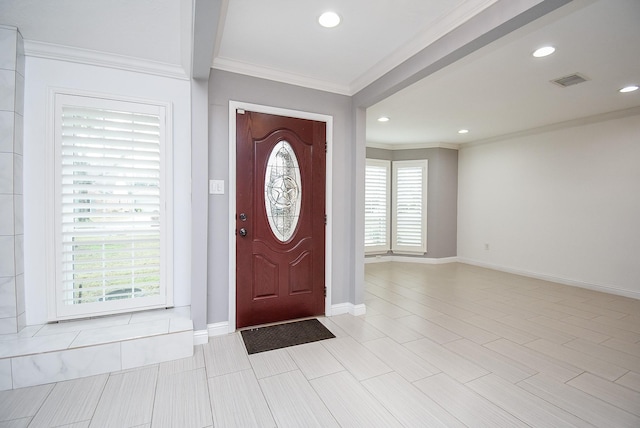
x=328, y=120
x=280, y=186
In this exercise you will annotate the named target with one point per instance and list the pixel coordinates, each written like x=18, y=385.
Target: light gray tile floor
x=440, y=346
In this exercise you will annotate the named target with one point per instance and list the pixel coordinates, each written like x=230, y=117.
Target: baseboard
x=200, y=337
x=218, y=329
x=559, y=280
x=358, y=310
x=409, y=259
x=348, y=308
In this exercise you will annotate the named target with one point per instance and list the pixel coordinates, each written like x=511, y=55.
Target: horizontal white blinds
x=377, y=197
x=110, y=203
x=409, y=206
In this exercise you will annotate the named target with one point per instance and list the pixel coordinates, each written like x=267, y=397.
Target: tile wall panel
x=7, y=124
x=7, y=89
x=5, y=374
x=7, y=261
x=18, y=214
x=11, y=177
x=64, y=365
x=6, y=173
x=8, y=300
x=6, y=215
x=8, y=49
x=18, y=133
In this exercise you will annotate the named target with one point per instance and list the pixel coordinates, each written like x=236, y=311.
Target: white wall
x=43, y=74
x=562, y=204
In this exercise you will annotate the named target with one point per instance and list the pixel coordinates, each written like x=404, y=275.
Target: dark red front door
x=280, y=219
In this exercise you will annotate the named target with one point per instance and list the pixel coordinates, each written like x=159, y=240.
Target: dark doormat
x=282, y=335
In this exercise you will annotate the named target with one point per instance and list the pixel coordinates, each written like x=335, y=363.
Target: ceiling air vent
x=572, y=79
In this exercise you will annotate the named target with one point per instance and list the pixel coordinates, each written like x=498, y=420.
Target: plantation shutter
x=410, y=186
x=111, y=206
x=377, y=197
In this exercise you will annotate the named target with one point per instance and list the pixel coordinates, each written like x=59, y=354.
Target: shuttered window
x=409, y=207
x=113, y=228
x=377, y=202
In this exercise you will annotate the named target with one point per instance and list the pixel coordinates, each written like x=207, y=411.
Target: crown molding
x=226, y=64
x=101, y=59
x=582, y=121
x=410, y=146
x=445, y=24
x=602, y=117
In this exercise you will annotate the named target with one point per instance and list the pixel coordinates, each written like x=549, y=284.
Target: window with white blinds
x=409, y=207
x=376, y=206
x=113, y=227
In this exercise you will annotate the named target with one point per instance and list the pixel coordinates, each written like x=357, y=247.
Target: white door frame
x=328, y=120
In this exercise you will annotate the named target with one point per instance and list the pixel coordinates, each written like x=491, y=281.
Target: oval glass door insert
x=282, y=191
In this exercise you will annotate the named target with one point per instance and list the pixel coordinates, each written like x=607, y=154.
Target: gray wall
x=225, y=86
x=499, y=19
x=442, y=195
x=348, y=155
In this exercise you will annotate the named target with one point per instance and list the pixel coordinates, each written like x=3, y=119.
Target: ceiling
x=282, y=40
x=143, y=29
x=502, y=89
x=498, y=90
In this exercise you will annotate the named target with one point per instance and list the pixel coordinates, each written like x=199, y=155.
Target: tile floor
x=441, y=345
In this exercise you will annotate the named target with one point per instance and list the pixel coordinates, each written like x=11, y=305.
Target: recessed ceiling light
x=383, y=119
x=629, y=88
x=463, y=131
x=329, y=19
x=544, y=51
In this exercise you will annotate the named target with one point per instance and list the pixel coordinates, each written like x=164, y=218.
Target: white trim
x=602, y=117
x=386, y=164
x=218, y=329
x=557, y=279
x=253, y=70
x=328, y=120
x=396, y=167
x=348, y=308
x=358, y=310
x=406, y=259
x=410, y=146
x=441, y=26
x=101, y=59
x=200, y=337
x=56, y=96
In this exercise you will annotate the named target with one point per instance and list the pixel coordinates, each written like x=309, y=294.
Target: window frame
x=56, y=309
x=381, y=249
x=405, y=249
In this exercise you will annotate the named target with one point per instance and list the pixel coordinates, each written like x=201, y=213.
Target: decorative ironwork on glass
x=283, y=191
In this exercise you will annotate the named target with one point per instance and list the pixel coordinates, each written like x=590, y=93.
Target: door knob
x=243, y=232
x=243, y=217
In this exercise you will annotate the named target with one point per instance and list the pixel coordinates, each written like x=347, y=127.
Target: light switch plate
x=216, y=187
